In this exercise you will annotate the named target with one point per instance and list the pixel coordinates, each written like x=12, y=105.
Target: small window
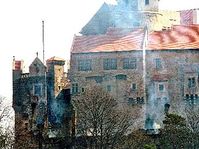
x=37, y=90
x=140, y=100
x=108, y=88
x=165, y=99
x=121, y=77
x=85, y=65
x=161, y=87
x=146, y=2
x=97, y=79
x=158, y=63
x=132, y=101
x=59, y=87
x=110, y=64
x=129, y=63
x=74, y=88
x=133, y=86
x=191, y=82
x=83, y=90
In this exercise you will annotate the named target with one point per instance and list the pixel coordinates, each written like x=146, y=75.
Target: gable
x=37, y=67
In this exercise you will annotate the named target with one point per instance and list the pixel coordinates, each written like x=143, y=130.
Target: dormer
x=37, y=68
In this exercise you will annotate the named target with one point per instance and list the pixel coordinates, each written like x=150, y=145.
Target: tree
x=175, y=133
x=192, y=117
x=6, y=124
x=101, y=122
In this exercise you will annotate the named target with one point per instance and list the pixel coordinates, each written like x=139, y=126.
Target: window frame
x=85, y=65
x=40, y=85
x=133, y=86
x=158, y=63
x=75, y=87
x=191, y=82
x=159, y=87
x=129, y=63
x=110, y=64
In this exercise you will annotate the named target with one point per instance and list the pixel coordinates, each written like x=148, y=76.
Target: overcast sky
x=21, y=29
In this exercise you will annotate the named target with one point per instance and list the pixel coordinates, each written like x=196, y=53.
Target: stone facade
x=41, y=100
x=172, y=75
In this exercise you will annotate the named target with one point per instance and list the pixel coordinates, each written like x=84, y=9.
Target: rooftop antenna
x=43, y=41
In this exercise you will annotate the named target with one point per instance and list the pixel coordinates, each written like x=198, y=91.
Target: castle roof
x=117, y=39
x=54, y=58
x=38, y=62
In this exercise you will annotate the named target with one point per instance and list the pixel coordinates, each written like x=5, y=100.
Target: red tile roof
x=179, y=37
x=54, y=58
x=17, y=65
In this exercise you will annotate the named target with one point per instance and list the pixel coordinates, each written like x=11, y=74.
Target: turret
x=17, y=68
x=55, y=68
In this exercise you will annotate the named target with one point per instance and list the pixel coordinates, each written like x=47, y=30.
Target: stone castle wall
x=171, y=73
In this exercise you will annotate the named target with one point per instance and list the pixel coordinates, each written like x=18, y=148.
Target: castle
x=140, y=55
x=41, y=100
x=137, y=64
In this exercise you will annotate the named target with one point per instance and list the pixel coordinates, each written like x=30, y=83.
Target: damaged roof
x=118, y=39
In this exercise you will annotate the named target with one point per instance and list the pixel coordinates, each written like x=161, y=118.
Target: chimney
x=17, y=68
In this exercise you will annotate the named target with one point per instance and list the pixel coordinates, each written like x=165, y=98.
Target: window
x=85, y=65
x=74, y=88
x=108, y=88
x=140, y=100
x=161, y=87
x=134, y=87
x=158, y=63
x=98, y=79
x=121, y=77
x=132, y=101
x=146, y=2
x=83, y=90
x=191, y=82
x=110, y=64
x=37, y=90
x=129, y=63
x=165, y=99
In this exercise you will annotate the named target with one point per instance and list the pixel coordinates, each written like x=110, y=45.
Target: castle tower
x=55, y=68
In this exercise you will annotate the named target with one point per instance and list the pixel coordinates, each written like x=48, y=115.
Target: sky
x=21, y=29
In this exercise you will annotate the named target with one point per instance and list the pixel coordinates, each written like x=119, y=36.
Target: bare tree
x=6, y=124
x=101, y=122
x=192, y=118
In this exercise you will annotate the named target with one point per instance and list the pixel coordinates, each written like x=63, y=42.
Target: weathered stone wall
x=170, y=74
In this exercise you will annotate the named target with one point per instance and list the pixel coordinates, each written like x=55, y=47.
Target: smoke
x=125, y=15
x=41, y=112
x=155, y=110
x=57, y=109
